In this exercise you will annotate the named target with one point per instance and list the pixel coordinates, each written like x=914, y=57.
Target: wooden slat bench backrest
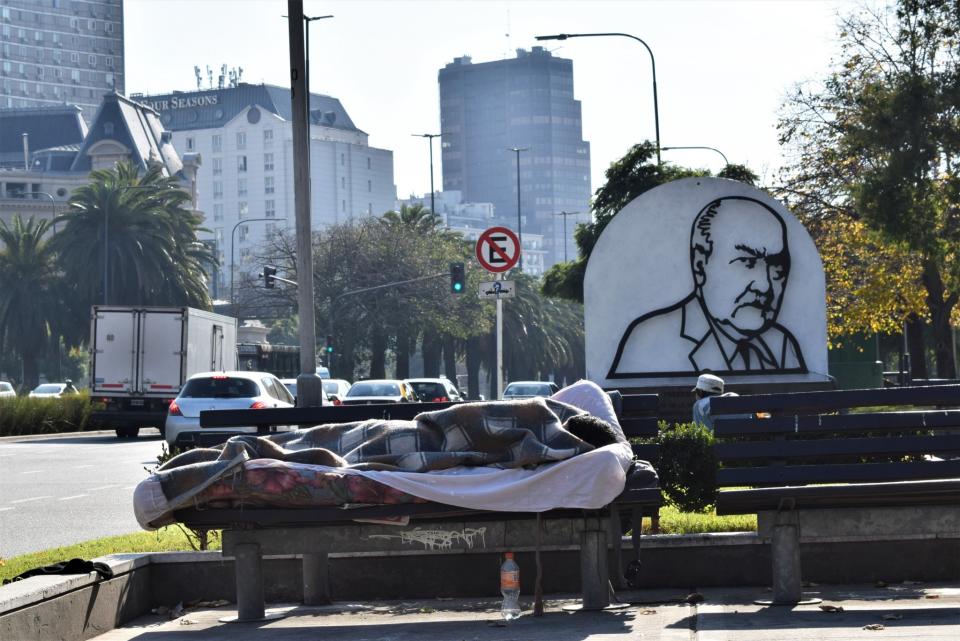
x=803, y=442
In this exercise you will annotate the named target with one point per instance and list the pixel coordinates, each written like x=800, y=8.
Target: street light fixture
x=430, y=138
x=565, y=214
x=725, y=161
x=233, y=244
x=653, y=66
x=517, y=151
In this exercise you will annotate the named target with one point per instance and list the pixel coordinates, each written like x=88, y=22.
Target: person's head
x=708, y=385
x=68, y=382
x=740, y=262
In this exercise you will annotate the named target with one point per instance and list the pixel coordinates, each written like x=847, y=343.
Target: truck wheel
x=127, y=432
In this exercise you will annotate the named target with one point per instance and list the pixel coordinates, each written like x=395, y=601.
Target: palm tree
x=153, y=256
x=29, y=297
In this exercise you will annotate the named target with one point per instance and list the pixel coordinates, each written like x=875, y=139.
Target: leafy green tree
x=142, y=224
x=627, y=178
x=877, y=142
x=30, y=296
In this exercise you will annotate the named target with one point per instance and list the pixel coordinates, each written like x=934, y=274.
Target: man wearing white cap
x=706, y=388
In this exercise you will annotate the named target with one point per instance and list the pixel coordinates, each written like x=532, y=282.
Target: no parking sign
x=498, y=249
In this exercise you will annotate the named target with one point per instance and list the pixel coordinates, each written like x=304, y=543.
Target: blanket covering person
x=468, y=454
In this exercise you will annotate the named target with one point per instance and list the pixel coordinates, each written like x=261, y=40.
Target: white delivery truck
x=140, y=356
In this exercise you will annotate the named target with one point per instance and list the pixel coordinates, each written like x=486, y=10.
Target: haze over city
x=722, y=67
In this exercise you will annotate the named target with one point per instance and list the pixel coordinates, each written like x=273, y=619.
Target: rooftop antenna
x=209, y=77
x=507, y=35
x=196, y=72
x=223, y=76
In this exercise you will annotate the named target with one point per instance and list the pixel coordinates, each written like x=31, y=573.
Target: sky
x=723, y=67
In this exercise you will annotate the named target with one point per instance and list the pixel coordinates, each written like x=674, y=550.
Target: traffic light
x=268, y=273
x=329, y=346
x=458, y=279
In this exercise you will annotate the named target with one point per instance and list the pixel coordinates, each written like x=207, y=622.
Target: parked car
x=291, y=385
x=336, y=389
x=48, y=390
x=220, y=391
x=6, y=390
x=435, y=390
x=379, y=391
x=529, y=389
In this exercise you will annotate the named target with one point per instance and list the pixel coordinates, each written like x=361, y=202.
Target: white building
x=471, y=219
x=244, y=135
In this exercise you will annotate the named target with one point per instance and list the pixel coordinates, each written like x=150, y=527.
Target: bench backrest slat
x=847, y=473
x=817, y=423
x=864, y=447
x=639, y=403
x=813, y=402
x=639, y=427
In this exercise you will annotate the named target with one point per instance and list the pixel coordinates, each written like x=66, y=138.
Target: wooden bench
x=251, y=533
x=812, y=465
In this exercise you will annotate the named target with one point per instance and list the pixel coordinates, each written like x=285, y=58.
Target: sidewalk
x=928, y=612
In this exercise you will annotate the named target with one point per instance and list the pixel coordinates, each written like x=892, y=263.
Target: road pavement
x=69, y=489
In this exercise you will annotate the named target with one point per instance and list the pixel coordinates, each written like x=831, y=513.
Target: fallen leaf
x=186, y=621
x=931, y=596
x=648, y=612
x=892, y=617
x=426, y=610
x=831, y=608
x=873, y=626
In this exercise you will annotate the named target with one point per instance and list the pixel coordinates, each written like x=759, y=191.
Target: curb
x=144, y=431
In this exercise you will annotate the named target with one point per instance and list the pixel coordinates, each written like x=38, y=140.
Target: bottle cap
x=508, y=555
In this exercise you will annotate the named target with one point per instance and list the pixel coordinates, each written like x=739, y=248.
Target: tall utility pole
x=517, y=151
x=309, y=385
x=430, y=137
x=565, y=214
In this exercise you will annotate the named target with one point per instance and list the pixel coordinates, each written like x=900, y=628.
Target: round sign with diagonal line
x=498, y=249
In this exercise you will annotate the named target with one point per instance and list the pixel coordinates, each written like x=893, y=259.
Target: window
x=109, y=62
x=38, y=36
x=369, y=185
x=92, y=59
x=343, y=205
x=6, y=67
x=268, y=162
x=241, y=186
x=190, y=145
x=241, y=163
x=268, y=184
x=40, y=72
x=39, y=55
x=22, y=69
x=267, y=137
x=243, y=209
x=269, y=209
x=108, y=27
x=92, y=25
x=109, y=79
x=368, y=162
x=343, y=182
x=57, y=57
x=108, y=128
x=218, y=213
x=343, y=159
x=75, y=57
x=56, y=38
x=241, y=140
x=217, y=166
x=75, y=75
x=74, y=24
x=217, y=189
x=217, y=142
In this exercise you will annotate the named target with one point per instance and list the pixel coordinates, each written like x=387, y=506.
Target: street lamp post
x=430, y=137
x=653, y=66
x=722, y=155
x=565, y=214
x=233, y=244
x=517, y=151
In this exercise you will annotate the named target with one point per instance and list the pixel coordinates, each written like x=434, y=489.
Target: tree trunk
x=474, y=345
x=918, y=357
x=403, y=354
x=450, y=359
x=940, y=306
x=431, y=347
x=31, y=373
x=378, y=355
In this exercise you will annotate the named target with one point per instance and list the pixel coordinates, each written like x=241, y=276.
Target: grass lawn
x=172, y=538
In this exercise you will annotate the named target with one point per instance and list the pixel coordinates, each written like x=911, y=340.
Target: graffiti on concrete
x=439, y=539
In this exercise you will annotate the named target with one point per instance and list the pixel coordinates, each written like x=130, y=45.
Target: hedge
x=25, y=415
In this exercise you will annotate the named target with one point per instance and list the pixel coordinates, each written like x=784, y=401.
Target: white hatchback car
x=6, y=390
x=220, y=391
x=336, y=389
x=48, y=390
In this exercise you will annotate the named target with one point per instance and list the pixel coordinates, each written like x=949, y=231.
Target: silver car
x=220, y=391
x=6, y=390
x=529, y=389
x=48, y=390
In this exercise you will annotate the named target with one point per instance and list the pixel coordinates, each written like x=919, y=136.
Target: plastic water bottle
x=510, y=588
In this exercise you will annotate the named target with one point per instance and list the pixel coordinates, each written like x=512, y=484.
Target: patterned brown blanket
x=502, y=434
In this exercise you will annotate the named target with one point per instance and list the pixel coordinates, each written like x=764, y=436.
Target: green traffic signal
x=457, y=278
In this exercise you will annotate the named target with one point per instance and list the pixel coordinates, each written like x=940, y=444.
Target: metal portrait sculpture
x=728, y=323
x=704, y=275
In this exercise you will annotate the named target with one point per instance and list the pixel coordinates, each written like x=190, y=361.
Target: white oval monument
x=704, y=275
